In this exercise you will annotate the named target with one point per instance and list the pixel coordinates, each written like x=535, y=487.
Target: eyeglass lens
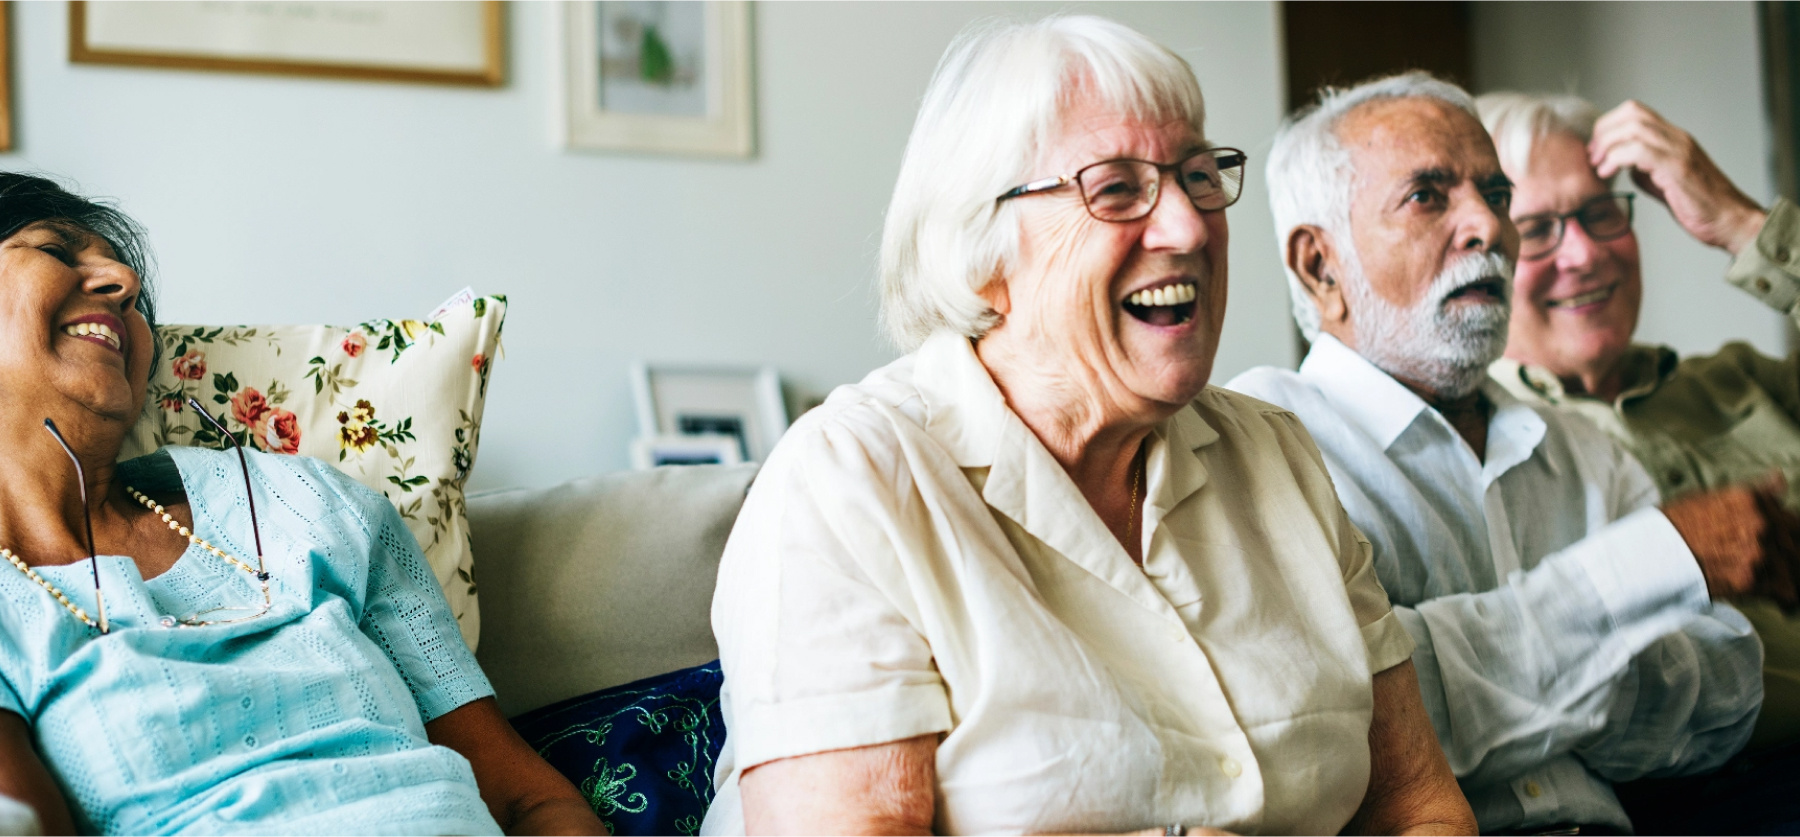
x=1604, y=218
x=1126, y=190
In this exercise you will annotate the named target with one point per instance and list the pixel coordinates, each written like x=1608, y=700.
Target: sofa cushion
x=396, y=404
x=642, y=753
x=600, y=581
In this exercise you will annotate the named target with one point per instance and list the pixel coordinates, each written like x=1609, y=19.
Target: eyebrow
x=1440, y=176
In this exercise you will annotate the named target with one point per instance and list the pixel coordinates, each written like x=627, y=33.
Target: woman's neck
x=1080, y=419
x=40, y=499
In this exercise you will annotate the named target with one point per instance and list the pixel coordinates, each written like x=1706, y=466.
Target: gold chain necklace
x=1137, y=471
x=167, y=621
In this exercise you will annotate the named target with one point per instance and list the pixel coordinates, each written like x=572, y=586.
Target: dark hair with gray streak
x=29, y=199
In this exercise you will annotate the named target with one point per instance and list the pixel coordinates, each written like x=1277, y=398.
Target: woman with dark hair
x=199, y=641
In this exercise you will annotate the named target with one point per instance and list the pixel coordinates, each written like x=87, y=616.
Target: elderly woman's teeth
x=1166, y=295
x=100, y=330
x=1588, y=298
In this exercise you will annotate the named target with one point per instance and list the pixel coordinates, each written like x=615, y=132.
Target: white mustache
x=1472, y=270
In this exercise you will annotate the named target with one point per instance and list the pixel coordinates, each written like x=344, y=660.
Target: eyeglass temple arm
x=255, y=530
x=87, y=520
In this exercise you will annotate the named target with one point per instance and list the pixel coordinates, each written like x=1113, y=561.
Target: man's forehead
x=1407, y=135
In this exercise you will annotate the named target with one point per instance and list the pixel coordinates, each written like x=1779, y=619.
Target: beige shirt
x=1710, y=421
x=912, y=560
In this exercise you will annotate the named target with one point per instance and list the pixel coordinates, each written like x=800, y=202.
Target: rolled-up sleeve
x=817, y=629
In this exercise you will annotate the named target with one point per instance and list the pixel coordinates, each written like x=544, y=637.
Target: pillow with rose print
x=396, y=404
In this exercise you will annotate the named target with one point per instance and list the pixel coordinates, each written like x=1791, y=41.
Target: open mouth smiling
x=96, y=329
x=1171, y=304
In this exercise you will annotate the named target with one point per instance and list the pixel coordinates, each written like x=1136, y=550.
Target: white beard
x=1445, y=349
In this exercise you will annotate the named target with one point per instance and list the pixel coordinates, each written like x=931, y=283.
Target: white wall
x=297, y=200
x=1698, y=65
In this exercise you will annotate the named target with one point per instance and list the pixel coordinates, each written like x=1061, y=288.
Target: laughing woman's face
x=69, y=326
x=1131, y=309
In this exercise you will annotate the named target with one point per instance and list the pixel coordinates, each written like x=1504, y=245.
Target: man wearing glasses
x=1565, y=626
x=1695, y=424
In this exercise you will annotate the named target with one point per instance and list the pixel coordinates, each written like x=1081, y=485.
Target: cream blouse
x=912, y=560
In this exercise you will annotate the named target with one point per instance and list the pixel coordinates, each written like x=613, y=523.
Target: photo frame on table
x=426, y=41
x=705, y=449
x=658, y=76
x=744, y=405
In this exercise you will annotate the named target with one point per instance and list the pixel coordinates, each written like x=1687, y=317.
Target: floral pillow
x=396, y=404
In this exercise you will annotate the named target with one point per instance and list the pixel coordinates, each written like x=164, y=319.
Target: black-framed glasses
x=1604, y=218
x=1125, y=189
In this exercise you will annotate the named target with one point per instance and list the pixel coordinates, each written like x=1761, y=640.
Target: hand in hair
x=1667, y=163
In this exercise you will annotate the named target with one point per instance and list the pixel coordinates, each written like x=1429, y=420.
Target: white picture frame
x=694, y=98
x=705, y=449
x=744, y=404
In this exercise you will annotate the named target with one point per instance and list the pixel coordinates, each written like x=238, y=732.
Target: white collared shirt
x=1564, y=633
x=912, y=560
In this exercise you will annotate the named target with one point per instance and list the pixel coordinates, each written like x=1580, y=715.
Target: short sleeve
x=1387, y=641
x=818, y=630
x=406, y=614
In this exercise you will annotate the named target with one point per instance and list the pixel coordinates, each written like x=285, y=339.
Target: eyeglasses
x=1125, y=190
x=192, y=620
x=1604, y=218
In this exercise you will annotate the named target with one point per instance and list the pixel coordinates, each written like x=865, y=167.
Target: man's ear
x=996, y=294
x=1310, y=255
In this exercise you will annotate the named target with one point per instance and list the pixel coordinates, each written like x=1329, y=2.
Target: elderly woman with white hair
x=1037, y=576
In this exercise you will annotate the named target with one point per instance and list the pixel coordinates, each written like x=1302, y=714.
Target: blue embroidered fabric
x=641, y=753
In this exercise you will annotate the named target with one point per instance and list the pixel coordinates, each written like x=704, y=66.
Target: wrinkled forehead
x=1090, y=101
x=1393, y=139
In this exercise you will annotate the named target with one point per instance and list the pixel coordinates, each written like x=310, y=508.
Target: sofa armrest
x=600, y=581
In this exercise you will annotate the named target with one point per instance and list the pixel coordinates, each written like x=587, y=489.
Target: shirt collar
x=1644, y=369
x=1365, y=396
x=1371, y=400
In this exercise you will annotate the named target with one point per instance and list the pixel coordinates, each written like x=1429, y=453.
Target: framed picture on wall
x=706, y=449
x=664, y=76
x=6, y=93
x=744, y=405
x=435, y=41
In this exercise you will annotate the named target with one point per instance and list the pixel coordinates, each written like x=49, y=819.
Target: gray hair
x=1311, y=173
x=997, y=96
x=1517, y=121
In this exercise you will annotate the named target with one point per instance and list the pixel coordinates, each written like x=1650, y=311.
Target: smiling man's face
x=1575, y=309
x=1428, y=282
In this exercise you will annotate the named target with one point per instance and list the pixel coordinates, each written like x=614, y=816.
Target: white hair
x=1311, y=173
x=997, y=96
x=1517, y=121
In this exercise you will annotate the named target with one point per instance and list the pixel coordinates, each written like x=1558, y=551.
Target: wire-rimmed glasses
x=1604, y=218
x=1126, y=189
x=192, y=620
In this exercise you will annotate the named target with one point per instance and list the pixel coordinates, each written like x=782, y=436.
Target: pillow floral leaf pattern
x=396, y=404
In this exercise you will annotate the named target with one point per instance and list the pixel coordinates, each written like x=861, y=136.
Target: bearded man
x=1565, y=628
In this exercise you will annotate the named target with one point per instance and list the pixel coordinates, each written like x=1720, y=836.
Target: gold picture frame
x=480, y=64
x=6, y=77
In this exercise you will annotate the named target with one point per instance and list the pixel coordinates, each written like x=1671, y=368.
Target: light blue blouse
x=307, y=720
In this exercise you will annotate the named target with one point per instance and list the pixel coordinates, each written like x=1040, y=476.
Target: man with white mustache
x=1565, y=628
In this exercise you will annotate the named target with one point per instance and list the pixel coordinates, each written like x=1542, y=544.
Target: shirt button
x=1230, y=767
x=1781, y=254
x=1533, y=790
x=1762, y=284
x=1677, y=478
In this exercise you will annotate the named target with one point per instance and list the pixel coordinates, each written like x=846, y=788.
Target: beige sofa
x=600, y=581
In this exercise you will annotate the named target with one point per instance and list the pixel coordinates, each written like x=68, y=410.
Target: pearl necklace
x=167, y=621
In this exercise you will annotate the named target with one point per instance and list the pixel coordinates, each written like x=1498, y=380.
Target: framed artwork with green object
x=658, y=76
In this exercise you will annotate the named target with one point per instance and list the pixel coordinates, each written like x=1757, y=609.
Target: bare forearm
x=882, y=789
x=1411, y=789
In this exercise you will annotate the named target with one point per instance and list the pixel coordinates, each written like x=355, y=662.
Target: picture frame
x=454, y=42
x=705, y=449
x=656, y=76
x=743, y=404
x=6, y=77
